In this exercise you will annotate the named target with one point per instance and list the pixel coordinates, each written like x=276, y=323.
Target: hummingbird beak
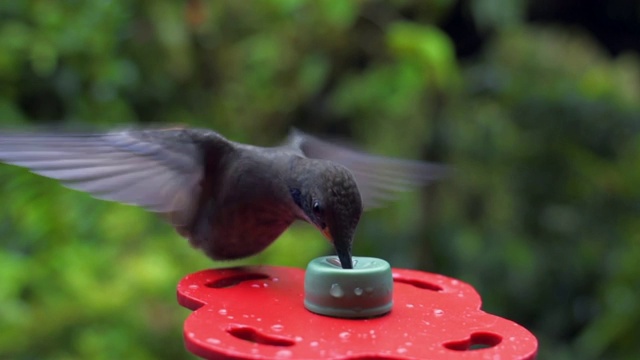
x=342, y=246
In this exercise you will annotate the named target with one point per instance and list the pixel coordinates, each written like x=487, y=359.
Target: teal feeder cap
x=362, y=292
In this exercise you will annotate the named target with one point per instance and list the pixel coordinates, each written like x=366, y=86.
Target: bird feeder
x=371, y=311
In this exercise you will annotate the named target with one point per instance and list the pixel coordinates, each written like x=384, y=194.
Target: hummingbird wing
x=159, y=170
x=379, y=178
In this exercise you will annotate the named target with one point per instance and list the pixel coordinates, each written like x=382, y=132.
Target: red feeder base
x=258, y=313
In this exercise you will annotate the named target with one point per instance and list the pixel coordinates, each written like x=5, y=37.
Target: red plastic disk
x=258, y=313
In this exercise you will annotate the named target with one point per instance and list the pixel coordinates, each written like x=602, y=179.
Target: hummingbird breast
x=245, y=212
x=247, y=229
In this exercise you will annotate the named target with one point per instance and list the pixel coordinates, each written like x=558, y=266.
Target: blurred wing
x=132, y=167
x=379, y=179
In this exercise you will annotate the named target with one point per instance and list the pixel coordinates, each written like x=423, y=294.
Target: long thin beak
x=345, y=259
x=343, y=248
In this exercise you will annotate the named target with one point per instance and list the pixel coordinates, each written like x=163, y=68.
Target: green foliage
x=541, y=126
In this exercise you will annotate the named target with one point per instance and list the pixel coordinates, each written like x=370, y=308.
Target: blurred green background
x=535, y=102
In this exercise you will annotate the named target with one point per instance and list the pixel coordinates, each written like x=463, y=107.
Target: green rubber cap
x=362, y=292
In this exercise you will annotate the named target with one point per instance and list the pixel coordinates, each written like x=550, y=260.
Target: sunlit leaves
x=428, y=49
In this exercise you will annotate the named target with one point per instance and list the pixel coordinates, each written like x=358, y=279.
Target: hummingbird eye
x=317, y=208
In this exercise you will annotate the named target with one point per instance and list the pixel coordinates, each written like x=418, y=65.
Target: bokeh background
x=535, y=102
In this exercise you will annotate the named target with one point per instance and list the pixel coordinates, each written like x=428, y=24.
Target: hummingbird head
x=329, y=199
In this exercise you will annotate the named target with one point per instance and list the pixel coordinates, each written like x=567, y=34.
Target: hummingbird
x=229, y=199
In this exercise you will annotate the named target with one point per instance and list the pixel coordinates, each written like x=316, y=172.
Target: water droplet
x=409, y=305
x=345, y=335
x=357, y=291
x=213, y=341
x=408, y=343
x=258, y=319
x=298, y=338
x=192, y=335
x=230, y=317
x=313, y=343
x=455, y=282
x=336, y=262
x=193, y=287
x=222, y=311
x=336, y=291
x=283, y=354
x=372, y=332
x=277, y=327
x=275, y=279
x=438, y=312
x=401, y=350
x=255, y=285
x=265, y=285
